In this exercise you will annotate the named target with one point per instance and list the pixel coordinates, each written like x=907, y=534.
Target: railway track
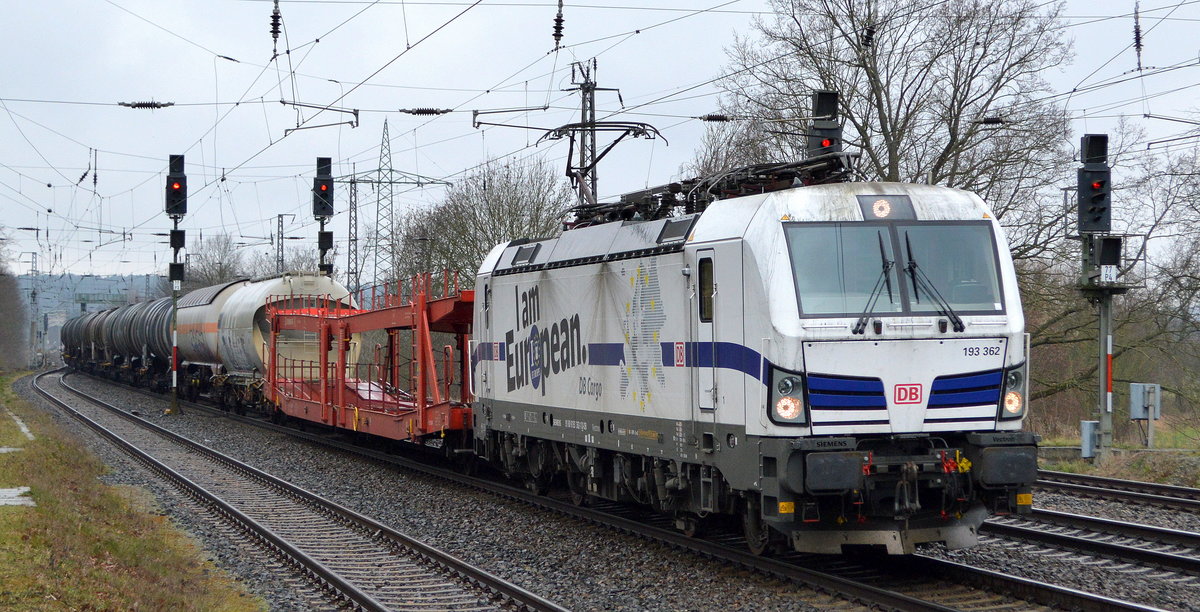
x=361, y=564
x=1169, y=549
x=1167, y=496
x=908, y=583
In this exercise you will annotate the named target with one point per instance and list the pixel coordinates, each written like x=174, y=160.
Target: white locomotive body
x=840, y=364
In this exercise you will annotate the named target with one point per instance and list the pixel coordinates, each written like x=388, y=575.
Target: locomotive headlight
x=786, y=402
x=788, y=408
x=1012, y=405
x=1014, y=379
x=788, y=385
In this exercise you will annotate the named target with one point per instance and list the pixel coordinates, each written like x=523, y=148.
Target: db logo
x=679, y=355
x=907, y=394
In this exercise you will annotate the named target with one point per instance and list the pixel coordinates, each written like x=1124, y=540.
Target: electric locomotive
x=835, y=365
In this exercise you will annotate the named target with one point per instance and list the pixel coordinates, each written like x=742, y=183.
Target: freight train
x=833, y=364
x=222, y=335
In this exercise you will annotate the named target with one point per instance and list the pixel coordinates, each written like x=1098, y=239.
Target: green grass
x=90, y=546
x=1059, y=441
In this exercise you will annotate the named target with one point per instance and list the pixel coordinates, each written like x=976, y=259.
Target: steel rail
x=1029, y=590
x=1170, y=496
x=508, y=592
x=1091, y=546
x=1149, y=533
x=1025, y=588
x=248, y=525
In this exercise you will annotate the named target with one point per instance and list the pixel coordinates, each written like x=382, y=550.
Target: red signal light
x=1097, y=184
x=176, y=186
x=826, y=142
x=324, y=187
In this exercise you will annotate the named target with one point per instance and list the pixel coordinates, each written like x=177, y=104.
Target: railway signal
x=175, y=205
x=176, y=198
x=825, y=133
x=323, y=189
x=1100, y=280
x=1095, y=186
x=323, y=210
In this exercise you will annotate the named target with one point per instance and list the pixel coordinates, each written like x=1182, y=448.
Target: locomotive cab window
x=841, y=267
x=958, y=259
x=706, y=289
x=905, y=267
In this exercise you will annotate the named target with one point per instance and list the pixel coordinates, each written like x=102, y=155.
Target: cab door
x=706, y=290
x=717, y=351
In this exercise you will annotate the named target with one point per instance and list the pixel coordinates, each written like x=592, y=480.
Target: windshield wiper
x=920, y=279
x=884, y=279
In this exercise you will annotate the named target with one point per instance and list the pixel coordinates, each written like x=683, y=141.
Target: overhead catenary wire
x=425, y=142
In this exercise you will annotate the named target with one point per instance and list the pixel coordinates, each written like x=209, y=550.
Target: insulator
x=152, y=104
x=715, y=117
x=426, y=111
x=276, y=18
x=558, y=25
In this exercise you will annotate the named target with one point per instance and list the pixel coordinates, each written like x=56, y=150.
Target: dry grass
x=90, y=546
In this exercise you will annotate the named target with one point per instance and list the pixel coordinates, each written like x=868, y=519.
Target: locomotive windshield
x=838, y=266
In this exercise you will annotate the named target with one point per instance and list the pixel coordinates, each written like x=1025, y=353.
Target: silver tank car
x=223, y=329
x=153, y=330
x=199, y=312
x=243, y=328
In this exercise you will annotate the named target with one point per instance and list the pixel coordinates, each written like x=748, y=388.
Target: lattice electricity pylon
x=385, y=246
x=385, y=212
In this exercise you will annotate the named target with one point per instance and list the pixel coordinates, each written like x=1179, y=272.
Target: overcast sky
x=88, y=174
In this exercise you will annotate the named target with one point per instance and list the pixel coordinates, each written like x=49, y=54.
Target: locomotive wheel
x=754, y=528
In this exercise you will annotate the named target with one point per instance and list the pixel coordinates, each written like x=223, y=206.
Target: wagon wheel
x=688, y=524
x=577, y=483
x=754, y=528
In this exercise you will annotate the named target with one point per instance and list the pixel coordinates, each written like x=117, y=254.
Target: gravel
x=1110, y=578
x=578, y=565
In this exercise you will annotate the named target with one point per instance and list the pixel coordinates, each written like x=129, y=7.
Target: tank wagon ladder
x=329, y=390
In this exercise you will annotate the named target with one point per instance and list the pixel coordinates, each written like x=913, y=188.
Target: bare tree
x=211, y=261
x=951, y=93
x=303, y=258
x=499, y=202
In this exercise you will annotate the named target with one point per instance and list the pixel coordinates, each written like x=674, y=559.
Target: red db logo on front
x=907, y=394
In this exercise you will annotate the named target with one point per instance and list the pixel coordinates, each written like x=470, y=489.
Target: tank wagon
x=222, y=337
x=836, y=365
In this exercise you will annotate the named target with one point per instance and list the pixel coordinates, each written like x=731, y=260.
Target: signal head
x=175, y=203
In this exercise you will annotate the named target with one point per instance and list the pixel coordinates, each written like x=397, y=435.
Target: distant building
x=52, y=299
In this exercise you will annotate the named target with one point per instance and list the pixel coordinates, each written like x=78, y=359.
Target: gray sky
x=71, y=61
